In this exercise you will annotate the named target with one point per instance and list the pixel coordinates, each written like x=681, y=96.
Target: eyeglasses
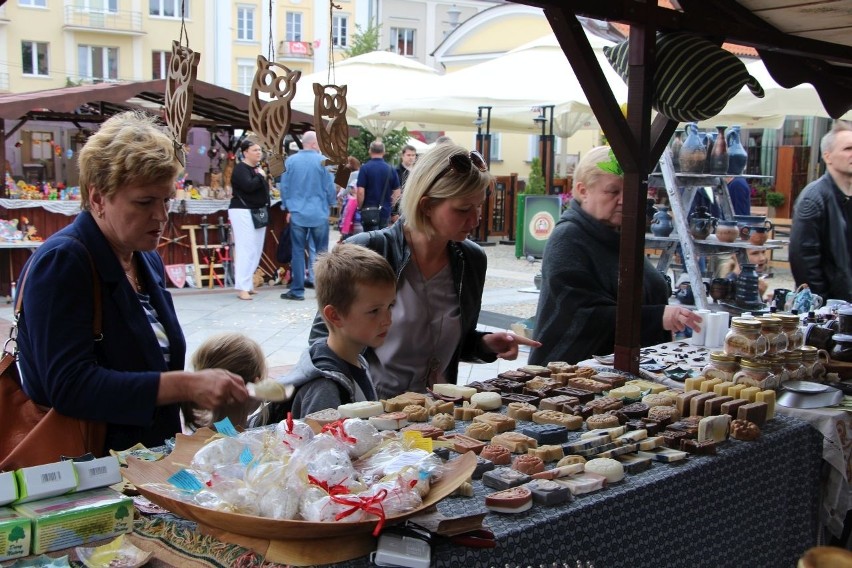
x=462, y=163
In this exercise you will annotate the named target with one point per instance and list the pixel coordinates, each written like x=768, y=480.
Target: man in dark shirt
x=378, y=186
x=740, y=192
x=406, y=163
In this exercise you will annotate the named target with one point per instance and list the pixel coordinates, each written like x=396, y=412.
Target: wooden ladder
x=215, y=272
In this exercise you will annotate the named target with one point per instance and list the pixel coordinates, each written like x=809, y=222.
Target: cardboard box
x=15, y=534
x=8, y=487
x=100, y=472
x=43, y=481
x=77, y=519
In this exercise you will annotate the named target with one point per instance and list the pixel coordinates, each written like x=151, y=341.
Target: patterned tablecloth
x=834, y=424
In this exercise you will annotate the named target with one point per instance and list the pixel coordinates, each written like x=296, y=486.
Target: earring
x=101, y=214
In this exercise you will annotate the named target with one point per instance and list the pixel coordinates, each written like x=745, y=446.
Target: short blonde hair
x=588, y=171
x=235, y=352
x=129, y=149
x=451, y=185
x=338, y=272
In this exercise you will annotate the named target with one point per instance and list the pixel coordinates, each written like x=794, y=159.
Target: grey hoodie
x=322, y=380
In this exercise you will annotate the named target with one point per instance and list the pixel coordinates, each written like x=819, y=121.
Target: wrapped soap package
x=8, y=487
x=79, y=518
x=15, y=534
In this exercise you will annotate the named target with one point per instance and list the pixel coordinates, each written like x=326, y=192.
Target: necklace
x=433, y=364
x=130, y=273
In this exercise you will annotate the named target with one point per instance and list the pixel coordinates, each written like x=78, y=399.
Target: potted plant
x=773, y=201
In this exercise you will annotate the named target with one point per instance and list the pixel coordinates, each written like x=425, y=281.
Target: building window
x=245, y=24
x=402, y=39
x=97, y=63
x=160, y=64
x=167, y=8
x=40, y=148
x=34, y=58
x=294, y=26
x=496, y=139
x=35, y=3
x=245, y=76
x=339, y=31
x=99, y=6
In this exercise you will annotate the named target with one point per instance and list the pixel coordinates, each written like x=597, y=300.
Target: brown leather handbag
x=34, y=435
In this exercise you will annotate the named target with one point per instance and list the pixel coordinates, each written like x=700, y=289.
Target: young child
x=356, y=290
x=350, y=218
x=234, y=352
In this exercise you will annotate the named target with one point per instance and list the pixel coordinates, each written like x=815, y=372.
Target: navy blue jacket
x=114, y=380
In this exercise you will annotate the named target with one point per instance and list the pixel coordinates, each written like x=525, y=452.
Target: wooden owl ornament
x=270, y=120
x=180, y=95
x=333, y=136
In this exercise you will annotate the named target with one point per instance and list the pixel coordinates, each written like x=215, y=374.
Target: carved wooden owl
x=179, y=95
x=333, y=136
x=270, y=120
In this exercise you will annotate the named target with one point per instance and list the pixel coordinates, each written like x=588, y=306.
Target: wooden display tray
x=298, y=543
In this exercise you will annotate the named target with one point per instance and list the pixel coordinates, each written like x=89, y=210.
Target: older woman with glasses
x=575, y=318
x=440, y=277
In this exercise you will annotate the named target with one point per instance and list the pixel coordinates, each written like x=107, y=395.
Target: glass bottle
x=744, y=338
x=793, y=365
x=721, y=366
x=775, y=362
x=770, y=328
x=790, y=327
x=754, y=374
x=814, y=368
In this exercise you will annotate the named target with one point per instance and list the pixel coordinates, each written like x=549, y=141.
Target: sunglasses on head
x=462, y=163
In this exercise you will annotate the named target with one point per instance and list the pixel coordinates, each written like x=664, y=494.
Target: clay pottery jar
x=727, y=231
x=757, y=236
x=693, y=153
x=719, y=153
x=842, y=350
x=737, y=154
x=662, y=225
x=701, y=223
x=747, y=294
x=677, y=143
x=720, y=289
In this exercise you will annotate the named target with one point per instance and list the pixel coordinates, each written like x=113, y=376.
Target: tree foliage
x=364, y=40
x=393, y=140
x=535, y=184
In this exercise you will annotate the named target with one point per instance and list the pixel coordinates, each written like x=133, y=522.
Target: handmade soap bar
x=598, y=449
x=634, y=464
x=633, y=436
x=528, y=464
x=682, y=403
x=736, y=391
x=627, y=448
x=557, y=402
x=663, y=414
x=744, y=430
x=713, y=406
x=613, y=380
x=514, y=500
x=389, y=420
x=507, y=386
x=448, y=389
x=504, y=478
x=708, y=384
x=721, y=389
x=732, y=407
x=466, y=412
x=665, y=455
x=696, y=405
x=586, y=443
x=598, y=421
x=440, y=407
x=416, y=413
x=515, y=442
x=613, y=433
x=536, y=370
x=548, y=453
x=605, y=404
x=634, y=410
x=714, y=428
x=547, y=493
x=767, y=396
x=583, y=483
x=482, y=465
x=587, y=384
x=542, y=384
x=509, y=398
x=561, y=470
x=693, y=383
x=497, y=454
x=608, y=467
x=705, y=448
x=750, y=393
x=487, y=400
x=652, y=443
x=444, y=421
x=753, y=412
x=583, y=395
x=484, y=386
x=561, y=367
x=559, y=418
x=520, y=410
x=463, y=444
x=362, y=409
x=480, y=431
x=660, y=399
x=647, y=386
x=515, y=375
x=546, y=433
x=400, y=401
x=500, y=422
x=673, y=437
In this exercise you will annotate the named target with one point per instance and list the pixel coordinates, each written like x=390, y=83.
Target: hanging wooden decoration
x=330, y=103
x=180, y=90
x=270, y=121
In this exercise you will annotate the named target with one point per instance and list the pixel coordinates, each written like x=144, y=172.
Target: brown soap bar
x=504, y=478
x=682, y=402
x=462, y=443
x=652, y=426
x=542, y=384
x=520, y=410
x=633, y=411
x=753, y=412
x=583, y=395
x=612, y=379
x=557, y=402
x=538, y=394
x=705, y=448
x=587, y=384
x=732, y=406
x=508, y=385
x=713, y=407
x=536, y=370
x=605, y=404
x=484, y=386
x=683, y=426
x=528, y=464
x=497, y=454
x=672, y=438
x=696, y=405
x=518, y=397
x=516, y=499
x=515, y=375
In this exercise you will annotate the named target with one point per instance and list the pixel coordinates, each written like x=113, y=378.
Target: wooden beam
x=572, y=38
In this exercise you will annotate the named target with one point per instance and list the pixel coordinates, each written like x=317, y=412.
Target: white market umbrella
x=370, y=78
x=514, y=84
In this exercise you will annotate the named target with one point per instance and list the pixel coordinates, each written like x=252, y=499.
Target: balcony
x=295, y=50
x=122, y=22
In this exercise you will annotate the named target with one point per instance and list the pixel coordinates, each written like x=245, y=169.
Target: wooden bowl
x=140, y=473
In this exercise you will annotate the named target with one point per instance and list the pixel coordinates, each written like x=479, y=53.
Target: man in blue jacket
x=307, y=194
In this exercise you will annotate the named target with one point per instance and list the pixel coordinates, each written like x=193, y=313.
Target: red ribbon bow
x=336, y=429
x=338, y=489
x=371, y=505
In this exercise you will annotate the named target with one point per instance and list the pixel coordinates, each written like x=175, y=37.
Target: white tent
x=370, y=78
x=515, y=85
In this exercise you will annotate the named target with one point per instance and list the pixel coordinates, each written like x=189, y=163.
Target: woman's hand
x=505, y=344
x=677, y=319
x=208, y=388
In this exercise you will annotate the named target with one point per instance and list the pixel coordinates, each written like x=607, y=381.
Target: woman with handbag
x=98, y=338
x=440, y=277
x=249, y=215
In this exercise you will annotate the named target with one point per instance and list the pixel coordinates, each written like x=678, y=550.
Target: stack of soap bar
x=732, y=406
x=696, y=405
x=682, y=401
x=713, y=406
x=767, y=396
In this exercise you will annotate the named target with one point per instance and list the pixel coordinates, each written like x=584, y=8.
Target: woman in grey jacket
x=440, y=277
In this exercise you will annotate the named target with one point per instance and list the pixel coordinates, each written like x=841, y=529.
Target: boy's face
x=369, y=318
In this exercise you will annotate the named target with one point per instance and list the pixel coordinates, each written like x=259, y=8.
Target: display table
x=834, y=424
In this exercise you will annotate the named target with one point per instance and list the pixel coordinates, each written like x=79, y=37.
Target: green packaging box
x=15, y=534
x=78, y=518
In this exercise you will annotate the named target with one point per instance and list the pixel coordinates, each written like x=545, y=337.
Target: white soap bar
x=665, y=455
x=389, y=421
x=634, y=436
x=363, y=409
x=651, y=443
x=446, y=389
x=487, y=400
x=608, y=467
x=613, y=433
x=714, y=428
x=586, y=443
x=585, y=482
x=615, y=452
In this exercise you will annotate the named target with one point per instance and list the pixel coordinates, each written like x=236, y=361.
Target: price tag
x=185, y=481
x=417, y=440
x=225, y=428
x=246, y=456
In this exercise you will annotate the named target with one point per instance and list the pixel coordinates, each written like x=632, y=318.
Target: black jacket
x=576, y=311
x=819, y=253
x=468, y=263
x=251, y=190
